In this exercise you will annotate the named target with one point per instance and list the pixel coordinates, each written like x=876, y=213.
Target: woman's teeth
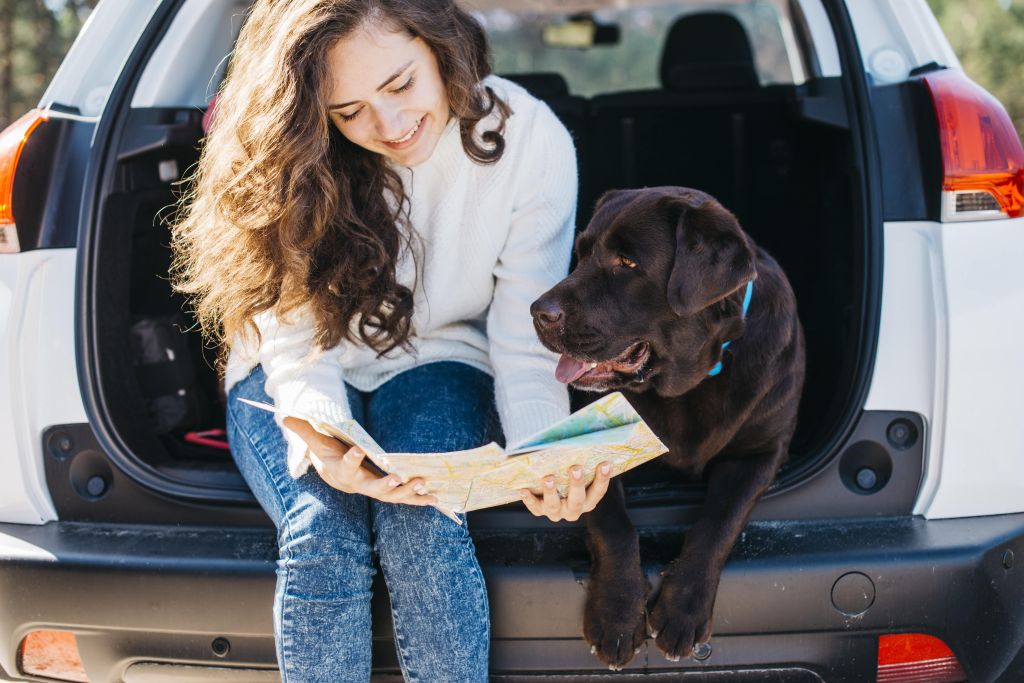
x=407, y=136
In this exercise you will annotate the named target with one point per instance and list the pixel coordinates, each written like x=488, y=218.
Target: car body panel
x=39, y=380
x=948, y=351
x=162, y=592
x=214, y=25
x=897, y=36
x=910, y=367
x=95, y=61
x=981, y=468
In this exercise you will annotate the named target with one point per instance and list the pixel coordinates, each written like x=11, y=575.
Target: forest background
x=988, y=36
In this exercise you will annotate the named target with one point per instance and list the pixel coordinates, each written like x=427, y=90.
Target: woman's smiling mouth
x=408, y=138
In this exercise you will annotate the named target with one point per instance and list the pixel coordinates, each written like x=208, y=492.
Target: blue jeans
x=326, y=537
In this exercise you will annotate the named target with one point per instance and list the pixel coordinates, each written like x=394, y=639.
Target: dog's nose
x=546, y=312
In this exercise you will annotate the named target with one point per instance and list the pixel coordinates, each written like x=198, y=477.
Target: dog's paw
x=614, y=621
x=681, y=617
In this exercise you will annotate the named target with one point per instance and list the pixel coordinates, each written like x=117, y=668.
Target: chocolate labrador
x=674, y=304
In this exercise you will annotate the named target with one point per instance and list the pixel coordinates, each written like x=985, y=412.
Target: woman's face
x=387, y=95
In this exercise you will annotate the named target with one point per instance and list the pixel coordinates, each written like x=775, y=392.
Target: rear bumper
x=156, y=594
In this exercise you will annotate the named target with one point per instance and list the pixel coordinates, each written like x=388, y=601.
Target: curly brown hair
x=285, y=213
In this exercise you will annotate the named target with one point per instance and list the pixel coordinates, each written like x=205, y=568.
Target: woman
x=372, y=216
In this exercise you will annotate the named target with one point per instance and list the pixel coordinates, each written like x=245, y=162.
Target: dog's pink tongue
x=569, y=369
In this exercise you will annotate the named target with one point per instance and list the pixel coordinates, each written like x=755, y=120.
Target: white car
x=851, y=146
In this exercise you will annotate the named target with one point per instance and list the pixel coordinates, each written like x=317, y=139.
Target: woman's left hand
x=580, y=499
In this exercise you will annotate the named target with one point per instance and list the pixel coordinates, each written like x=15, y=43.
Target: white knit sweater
x=494, y=237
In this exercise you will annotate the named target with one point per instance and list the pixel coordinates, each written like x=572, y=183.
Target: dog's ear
x=713, y=257
x=613, y=199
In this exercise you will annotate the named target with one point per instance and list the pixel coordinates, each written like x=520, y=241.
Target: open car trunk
x=782, y=156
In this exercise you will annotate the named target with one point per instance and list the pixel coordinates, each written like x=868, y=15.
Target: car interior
x=731, y=98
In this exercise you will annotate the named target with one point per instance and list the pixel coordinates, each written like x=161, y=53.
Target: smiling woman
x=324, y=179
x=366, y=235
x=403, y=117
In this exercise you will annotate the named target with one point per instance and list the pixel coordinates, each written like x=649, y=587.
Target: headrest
x=543, y=86
x=707, y=51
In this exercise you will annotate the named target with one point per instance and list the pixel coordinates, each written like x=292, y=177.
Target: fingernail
x=577, y=473
x=522, y=494
x=550, y=483
x=420, y=489
x=605, y=469
x=393, y=483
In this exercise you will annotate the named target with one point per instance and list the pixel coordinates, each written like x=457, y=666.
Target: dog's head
x=654, y=293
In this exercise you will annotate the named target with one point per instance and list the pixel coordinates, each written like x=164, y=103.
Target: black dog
x=657, y=307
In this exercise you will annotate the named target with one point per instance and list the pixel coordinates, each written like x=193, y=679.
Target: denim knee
x=316, y=523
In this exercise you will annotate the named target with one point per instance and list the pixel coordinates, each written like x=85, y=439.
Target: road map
x=609, y=429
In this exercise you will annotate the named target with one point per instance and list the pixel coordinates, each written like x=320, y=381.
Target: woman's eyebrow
x=379, y=87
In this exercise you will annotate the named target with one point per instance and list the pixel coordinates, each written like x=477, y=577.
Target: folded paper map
x=609, y=429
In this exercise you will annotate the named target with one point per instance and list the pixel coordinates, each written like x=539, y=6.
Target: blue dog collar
x=746, y=306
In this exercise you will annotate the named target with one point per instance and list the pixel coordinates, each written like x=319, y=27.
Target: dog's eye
x=625, y=261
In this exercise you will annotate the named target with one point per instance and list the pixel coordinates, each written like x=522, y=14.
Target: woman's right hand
x=341, y=467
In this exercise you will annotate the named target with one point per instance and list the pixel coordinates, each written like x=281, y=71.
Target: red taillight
x=51, y=654
x=982, y=155
x=12, y=142
x=917, y=658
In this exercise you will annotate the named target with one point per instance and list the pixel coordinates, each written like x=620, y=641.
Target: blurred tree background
x=34, y=35
x=988, y=35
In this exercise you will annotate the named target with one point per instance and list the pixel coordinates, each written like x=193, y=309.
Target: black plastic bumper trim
x=155, y=593
x=152, y=672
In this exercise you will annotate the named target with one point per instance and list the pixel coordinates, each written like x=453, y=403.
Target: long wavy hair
x=282, y=211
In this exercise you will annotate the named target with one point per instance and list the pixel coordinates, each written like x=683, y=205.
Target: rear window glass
x=790, y=39
x=633, y=61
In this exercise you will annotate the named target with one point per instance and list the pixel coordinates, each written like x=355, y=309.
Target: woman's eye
x=625, y=261
x=400, y=89
x=405, y=86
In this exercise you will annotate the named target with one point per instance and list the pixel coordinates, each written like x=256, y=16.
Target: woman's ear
x=713, y=256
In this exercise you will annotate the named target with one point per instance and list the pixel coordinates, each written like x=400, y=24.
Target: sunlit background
x=34, y=35
x=988, y=35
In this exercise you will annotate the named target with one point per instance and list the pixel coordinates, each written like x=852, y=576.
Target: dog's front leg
x=681, y=617
x=614, y=622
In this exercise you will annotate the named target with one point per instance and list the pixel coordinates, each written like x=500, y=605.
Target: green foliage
x=988, y=37
x=42, y=32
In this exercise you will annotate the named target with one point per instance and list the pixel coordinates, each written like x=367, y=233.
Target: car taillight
x=12, y=142
x=51, y=654
x=982, y=155
x=917, y=658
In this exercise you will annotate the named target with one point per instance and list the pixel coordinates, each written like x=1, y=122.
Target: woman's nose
x=389, y=123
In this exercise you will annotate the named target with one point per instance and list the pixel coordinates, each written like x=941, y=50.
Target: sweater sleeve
x=534, y=258
x=300, y=379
